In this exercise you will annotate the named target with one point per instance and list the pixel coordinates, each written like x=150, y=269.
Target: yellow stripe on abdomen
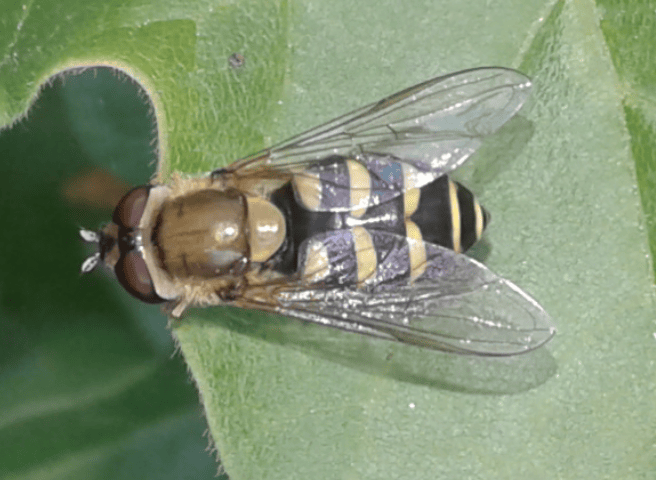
x=416, y=249
x=365, y=253
x=455, y=216
x=308, y=187
x=360, y=183
x=317, y=262
x=411, y=193
x=478, y=215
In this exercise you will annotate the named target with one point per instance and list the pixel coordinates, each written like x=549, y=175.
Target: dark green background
x=91, y=387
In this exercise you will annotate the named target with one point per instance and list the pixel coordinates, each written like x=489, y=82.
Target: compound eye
x=130, y=209
x=132, y=273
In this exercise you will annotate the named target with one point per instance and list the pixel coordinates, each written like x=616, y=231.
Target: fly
x=354, y=224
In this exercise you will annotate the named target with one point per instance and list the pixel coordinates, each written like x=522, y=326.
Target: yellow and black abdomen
x=442, y=212
x=449, y=215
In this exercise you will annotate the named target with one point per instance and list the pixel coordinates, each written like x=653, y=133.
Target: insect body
x=354, y=224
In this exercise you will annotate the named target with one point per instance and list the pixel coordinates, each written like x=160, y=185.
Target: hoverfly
x=353, y=225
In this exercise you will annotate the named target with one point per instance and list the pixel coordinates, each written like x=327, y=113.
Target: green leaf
x=288, y=401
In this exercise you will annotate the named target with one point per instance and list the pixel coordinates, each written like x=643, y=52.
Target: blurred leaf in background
x=90, y=387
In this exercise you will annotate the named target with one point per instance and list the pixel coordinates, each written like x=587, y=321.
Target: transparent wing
x=457, y=305
x=434, y=126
